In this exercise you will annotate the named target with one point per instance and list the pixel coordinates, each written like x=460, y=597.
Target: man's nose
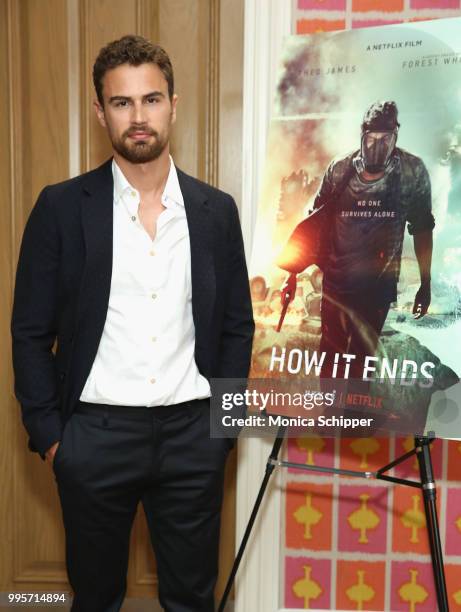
x=138, y=113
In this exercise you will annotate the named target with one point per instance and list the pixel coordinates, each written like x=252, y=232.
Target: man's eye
x=121, y=103
x=152, y=100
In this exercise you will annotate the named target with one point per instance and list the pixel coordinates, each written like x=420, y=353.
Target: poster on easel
x=355, y=271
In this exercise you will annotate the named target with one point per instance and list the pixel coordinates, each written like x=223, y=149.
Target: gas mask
x=377, y=148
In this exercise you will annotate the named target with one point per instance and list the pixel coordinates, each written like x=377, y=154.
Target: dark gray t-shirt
x=368, y=225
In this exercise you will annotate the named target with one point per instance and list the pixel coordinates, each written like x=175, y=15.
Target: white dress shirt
x=146, y=353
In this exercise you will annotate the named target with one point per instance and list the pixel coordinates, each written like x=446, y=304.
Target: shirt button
x=133, y=194
x=152, y=253
x=152, y=380
x=153, y=296
x=153, y=338
x=133, y=218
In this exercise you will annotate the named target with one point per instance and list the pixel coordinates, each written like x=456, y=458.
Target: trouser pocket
x=62, y=444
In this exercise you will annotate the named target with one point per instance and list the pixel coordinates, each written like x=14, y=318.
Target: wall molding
x=266, y=25
x=258, y=586
x=73, y=62
x=85, y=86
x=18, y=213
x=147, y=18
x=212, y=100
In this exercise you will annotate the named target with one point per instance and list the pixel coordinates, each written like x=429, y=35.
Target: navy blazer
x=62, y=292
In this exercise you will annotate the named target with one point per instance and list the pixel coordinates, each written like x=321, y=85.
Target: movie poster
x=355, y=269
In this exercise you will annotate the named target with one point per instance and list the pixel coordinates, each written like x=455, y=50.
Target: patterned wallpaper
x=355, y=544
x=323, y=15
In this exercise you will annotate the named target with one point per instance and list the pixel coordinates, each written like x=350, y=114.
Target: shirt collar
x=171, y=192
x=172, y=189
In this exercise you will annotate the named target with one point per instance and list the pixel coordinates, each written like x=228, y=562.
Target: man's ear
x=99, y=113
x=174, y=101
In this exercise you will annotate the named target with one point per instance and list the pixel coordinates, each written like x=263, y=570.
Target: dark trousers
x=350, y=325
x=112, y=457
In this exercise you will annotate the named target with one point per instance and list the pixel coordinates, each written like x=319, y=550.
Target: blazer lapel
x=97, y=225
x=199, y=220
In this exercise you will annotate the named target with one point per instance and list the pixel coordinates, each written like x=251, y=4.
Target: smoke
x=302, y=136
x=301, y=89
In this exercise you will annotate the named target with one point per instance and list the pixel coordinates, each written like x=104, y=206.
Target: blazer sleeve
x=34, y=327
x=238, y=324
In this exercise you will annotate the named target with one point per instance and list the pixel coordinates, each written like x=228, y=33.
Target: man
x=359, y=218
x=138, y=271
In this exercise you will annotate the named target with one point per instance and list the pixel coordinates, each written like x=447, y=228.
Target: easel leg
x=269, y=469
x=429, y=496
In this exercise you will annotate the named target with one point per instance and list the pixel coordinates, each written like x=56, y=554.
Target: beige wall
x=49, y=133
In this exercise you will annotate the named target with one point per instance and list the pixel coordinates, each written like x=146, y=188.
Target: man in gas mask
x=355, y=234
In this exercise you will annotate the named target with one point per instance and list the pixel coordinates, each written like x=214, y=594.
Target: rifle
x=287, y=296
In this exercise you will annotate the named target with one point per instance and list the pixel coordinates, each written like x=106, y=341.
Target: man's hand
x=50, y=453
x=423, y=250
x=422, y=300
x=289, y=289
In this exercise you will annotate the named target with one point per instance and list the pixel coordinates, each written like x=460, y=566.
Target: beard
x=140, y=151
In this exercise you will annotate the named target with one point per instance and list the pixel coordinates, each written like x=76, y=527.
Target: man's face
x=377, y=147
x=137, y=112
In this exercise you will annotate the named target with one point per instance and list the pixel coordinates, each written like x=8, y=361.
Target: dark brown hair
x=381, y=116
x=133, y=50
